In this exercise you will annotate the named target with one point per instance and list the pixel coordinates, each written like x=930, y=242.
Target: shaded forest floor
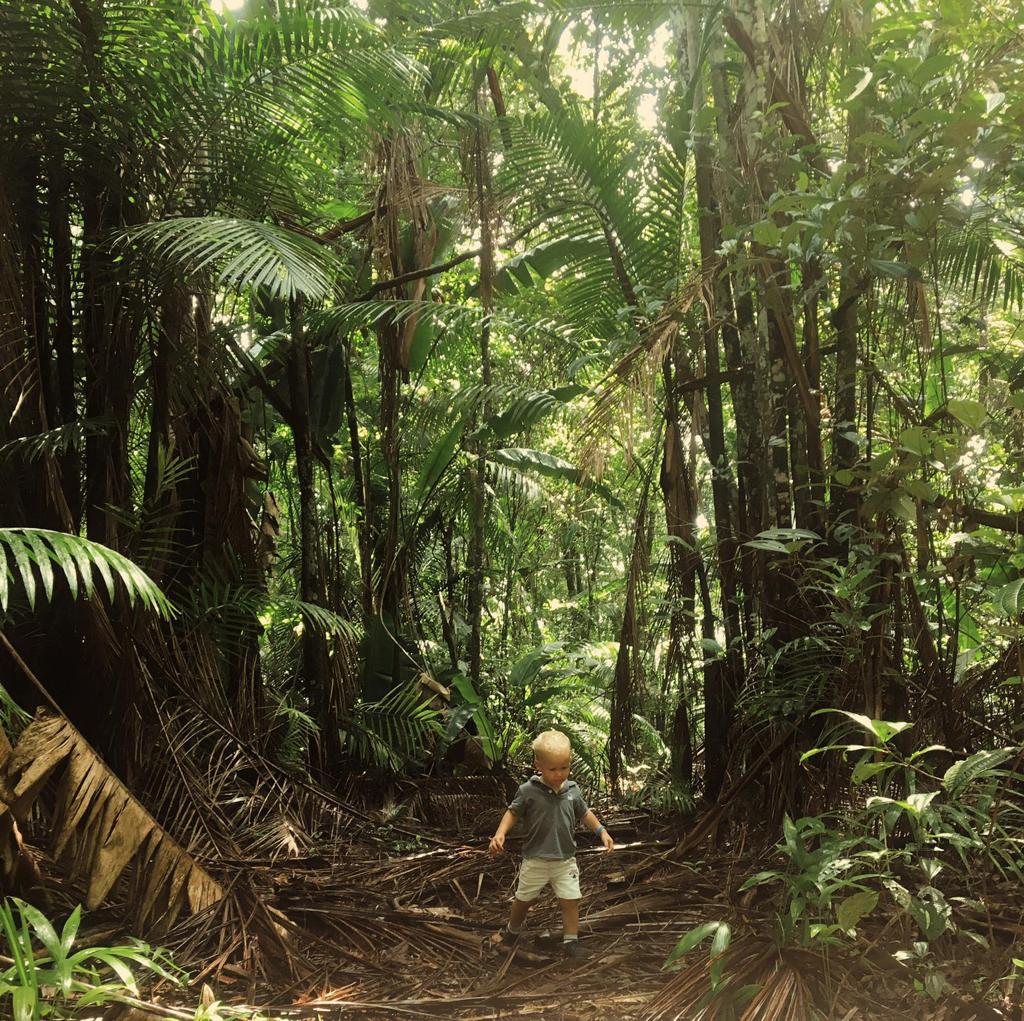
x=398, y=923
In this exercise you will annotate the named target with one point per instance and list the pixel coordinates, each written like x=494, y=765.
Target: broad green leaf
x=767, y=233
x=102, y=565
x=719, y=945
x=759, y=879
x=771, y=545
x=920, y=801
x=865, y=770
x=22, y=560
x=693, y=938
x=899, y=893
x=552, y=466
x=70, y=930
x=861, y=85
x=24, y=999
x=116, y=965
x=852, y=909
x=1009, y=600
x=66, y=562
x=844, y=748
x=931, y=912
x=526, y=668
x=788, y=534
x=962, y=774
x=895, y=269
x=926, y=751
x=916, y=440
x=884, y=730
x=530, y=408
x=920, y=489
x=43, y=928
x=438, y=460
x=464, y=686
x=543, y=261
x=971, y=413
x=42, y=556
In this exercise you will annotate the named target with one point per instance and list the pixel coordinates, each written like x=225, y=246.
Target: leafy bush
x=838, y=867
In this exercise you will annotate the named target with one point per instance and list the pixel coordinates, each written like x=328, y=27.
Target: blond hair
x=551, y=744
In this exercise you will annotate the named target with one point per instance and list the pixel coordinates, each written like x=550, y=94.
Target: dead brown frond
x=99, y=828
x=783, y=984
x=636, y=370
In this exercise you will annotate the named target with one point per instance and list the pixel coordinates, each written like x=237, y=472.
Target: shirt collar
x=566, y=784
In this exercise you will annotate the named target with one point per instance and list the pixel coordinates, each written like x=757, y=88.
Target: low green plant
x=837, y=868
x=393, y=731
x=726, y=991
x=927, y=976
x=49, y=978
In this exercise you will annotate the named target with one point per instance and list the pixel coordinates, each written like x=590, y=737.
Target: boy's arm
x=508, y=820
x=593, y=824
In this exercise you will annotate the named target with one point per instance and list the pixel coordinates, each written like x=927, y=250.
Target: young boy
x=549, y=806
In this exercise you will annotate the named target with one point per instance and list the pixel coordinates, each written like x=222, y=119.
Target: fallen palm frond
x=99, y=828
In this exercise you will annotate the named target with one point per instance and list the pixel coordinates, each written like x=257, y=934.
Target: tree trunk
x=477, y=550
x=314, y=647
x=679, y=491
x=359, y=490
x=627, y=659
x=722, y=684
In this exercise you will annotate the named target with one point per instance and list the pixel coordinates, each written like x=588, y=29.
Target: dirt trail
x=385, y=931
x=419, y=930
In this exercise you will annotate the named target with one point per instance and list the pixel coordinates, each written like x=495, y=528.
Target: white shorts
x=536, y=873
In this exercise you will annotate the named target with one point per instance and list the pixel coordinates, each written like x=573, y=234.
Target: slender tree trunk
x=853, y=284
x=679, y=491
x=478, y=552
x=314, y=648
x=627, y=659
x=721, y=685
x=359, y=491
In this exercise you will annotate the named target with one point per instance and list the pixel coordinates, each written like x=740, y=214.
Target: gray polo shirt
x=548, y=819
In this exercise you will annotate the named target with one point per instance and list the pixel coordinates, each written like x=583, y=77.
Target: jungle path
x=385, y=931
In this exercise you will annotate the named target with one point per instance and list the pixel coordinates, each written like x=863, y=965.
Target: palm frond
x=242, y=253
x=983, y=257
x=38, y=550
x=98, y=826
x=53, y=442
x=394, y=730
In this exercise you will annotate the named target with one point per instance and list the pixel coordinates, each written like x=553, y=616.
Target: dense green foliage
x=653, y=372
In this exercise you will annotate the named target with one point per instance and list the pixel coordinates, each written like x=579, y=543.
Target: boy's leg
x=532, y=879
x=510, y=934
x=570, y=918
x=518, y=914
x=571, y=929
x=567, y=890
